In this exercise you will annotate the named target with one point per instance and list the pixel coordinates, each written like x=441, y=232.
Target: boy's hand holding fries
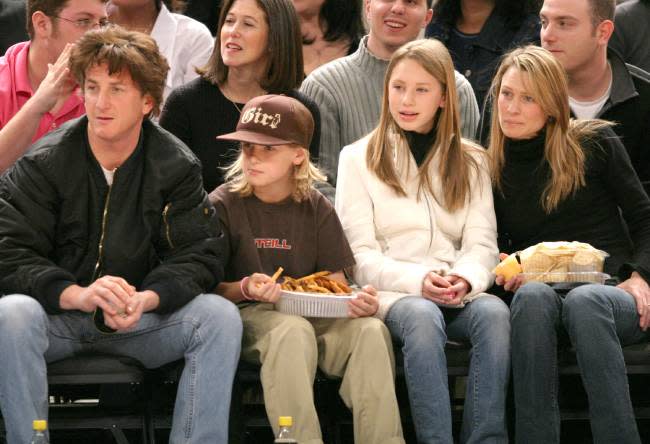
x=262, y=287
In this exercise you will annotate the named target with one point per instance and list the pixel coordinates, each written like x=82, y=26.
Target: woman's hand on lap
x=438, y=289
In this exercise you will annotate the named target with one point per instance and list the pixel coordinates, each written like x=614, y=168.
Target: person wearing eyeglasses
x=36, y=89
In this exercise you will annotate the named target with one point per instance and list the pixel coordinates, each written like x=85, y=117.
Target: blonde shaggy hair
x=304, y=176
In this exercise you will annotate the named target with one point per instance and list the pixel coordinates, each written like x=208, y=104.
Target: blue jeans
x=206, y=332
x=598, y=320
x=421, y=328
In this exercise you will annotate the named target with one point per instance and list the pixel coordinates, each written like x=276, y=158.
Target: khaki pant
x=358, y=350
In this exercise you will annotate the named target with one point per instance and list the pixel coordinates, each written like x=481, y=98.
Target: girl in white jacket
x=415, y=202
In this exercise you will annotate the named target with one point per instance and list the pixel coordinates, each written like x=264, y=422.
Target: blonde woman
x=272, y=217
x=561, y=179
x=415, y=202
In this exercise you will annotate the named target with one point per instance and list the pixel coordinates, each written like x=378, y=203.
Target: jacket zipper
x=168, y=232
x=426, y=198
x=100, y=246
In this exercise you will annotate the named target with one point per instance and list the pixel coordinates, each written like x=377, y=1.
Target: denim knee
x=21, y=316
x=216, y=320
x=209, y=309
x=532, y=300
x=418, y=319
x=585, y=305
x=490, y=316
x=491, y=309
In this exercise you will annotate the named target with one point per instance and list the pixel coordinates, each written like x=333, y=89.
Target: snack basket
x=314, y=305
x=563, y=262
x=593, y=277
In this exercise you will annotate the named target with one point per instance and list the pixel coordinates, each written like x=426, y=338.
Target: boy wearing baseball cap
x=272, y=217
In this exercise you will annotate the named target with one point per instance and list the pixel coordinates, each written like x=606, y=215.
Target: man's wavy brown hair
x=122, y=50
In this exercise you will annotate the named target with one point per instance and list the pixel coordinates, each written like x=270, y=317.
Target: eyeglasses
x=86, y=23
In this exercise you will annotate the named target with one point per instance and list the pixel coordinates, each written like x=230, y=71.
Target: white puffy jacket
x=397, y=240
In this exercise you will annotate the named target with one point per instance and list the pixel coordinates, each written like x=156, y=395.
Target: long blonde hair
x=546, y=82
x=456, y=162
x=303, y=176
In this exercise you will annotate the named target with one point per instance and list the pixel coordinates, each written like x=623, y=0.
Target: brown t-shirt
x=300, y=237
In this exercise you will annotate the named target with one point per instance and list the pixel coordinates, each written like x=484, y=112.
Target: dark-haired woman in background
x=330, y=29
x=257, y=51
x=478, y=32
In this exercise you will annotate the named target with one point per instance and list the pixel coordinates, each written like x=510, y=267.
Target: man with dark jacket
x=109, y=244
x=601, y=85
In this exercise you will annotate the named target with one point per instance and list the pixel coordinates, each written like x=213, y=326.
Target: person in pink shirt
x=36, y=89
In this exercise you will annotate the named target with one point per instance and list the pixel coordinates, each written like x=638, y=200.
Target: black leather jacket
x=61, y=224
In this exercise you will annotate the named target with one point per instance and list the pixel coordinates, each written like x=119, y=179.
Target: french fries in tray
x=316, y=283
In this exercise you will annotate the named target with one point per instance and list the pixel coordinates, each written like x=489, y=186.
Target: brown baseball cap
x=274, y=120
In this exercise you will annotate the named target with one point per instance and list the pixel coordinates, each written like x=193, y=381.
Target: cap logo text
x=258, y=116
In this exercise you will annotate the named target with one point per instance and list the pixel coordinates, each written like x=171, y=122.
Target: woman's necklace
x=228, y=94
x=235, y=105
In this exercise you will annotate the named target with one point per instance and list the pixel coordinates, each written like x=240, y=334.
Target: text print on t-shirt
x=276, y=244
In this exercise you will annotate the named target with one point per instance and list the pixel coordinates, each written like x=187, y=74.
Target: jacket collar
x=622, y=84
x=623, y=88
x=403, y=159
x=129, y=164
x=18, y=56
x=366, y=60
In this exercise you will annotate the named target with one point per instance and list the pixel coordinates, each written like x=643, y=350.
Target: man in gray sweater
x=348, y=91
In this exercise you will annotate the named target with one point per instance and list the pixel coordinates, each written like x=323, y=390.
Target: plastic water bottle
x=39, y=436
x=285, y=435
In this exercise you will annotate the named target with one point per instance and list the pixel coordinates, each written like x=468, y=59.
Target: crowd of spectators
x=160, y=160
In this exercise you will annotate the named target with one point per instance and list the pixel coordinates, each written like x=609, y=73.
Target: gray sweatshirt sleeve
x=330, y=136
x=468, y=107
